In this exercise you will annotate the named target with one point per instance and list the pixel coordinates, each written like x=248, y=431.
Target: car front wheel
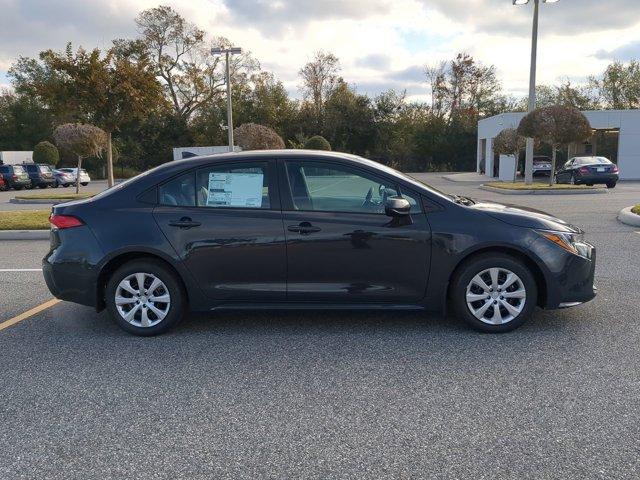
x=145, y=298
x=611, y=185
x=494, y=293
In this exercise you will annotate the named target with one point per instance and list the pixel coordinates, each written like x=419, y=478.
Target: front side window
x=233, y=186
x=317, y=186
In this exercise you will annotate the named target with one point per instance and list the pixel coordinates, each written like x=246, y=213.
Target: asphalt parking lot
x=330, y=394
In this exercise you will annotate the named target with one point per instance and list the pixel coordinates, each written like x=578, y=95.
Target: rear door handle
x=185, y=223
x=304, y=228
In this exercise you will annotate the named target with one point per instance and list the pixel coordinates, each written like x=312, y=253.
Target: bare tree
x=319, y=80
x=82, y=140
x=182, y=58
x=509, y=142
x=556, y=126
x=251, y=136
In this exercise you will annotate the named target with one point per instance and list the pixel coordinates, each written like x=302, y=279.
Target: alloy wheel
x=142, y=299
x=496, y=296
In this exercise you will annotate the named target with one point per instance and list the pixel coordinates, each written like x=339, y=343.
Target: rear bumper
x=597, y=178
x=70, y=268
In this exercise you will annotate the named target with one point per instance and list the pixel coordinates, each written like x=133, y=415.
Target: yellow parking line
x=28, y=313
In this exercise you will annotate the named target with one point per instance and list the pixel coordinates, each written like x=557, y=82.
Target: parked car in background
x=15, y=176
x=84, y=176
x=63, y=179
x=541, y=165
x=41, y=176
x=589, y=171
x=301, y=229
x=3, y=185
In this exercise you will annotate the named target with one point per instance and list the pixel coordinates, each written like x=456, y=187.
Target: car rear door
x=341, y=247
x=225, y=223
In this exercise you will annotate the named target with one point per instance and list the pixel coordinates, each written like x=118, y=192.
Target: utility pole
x=528, y=161
x=227, y=53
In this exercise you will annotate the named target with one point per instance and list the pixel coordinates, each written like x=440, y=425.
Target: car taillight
x=583, y=170
x=64, y=221
x=15, y=177
x=615, y=169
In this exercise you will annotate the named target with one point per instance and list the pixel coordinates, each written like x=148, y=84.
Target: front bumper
x=571, y=281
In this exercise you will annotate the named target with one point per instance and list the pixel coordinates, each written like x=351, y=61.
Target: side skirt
x=316, y=306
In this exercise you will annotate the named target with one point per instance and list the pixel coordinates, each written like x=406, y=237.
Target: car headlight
x=571, y=242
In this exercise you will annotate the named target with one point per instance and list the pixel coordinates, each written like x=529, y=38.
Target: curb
x=628, y=218
x=37, y=201
x=504, y=191
x=24, y=234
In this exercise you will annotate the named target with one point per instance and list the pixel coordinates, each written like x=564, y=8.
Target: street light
x=227, y=52
x=528, y=161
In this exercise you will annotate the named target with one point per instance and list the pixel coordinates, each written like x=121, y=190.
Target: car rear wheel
x=145, y=298
x=611, y=185
x=494, y=293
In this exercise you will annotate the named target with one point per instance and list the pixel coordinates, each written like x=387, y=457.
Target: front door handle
x=304, y=228
x=185, y=223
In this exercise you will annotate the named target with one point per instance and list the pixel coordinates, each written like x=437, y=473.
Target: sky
x=381, y=44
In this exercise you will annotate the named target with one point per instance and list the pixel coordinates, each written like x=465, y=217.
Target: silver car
x=84, y=176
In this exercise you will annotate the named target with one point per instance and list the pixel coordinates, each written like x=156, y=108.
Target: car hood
x=525, y=217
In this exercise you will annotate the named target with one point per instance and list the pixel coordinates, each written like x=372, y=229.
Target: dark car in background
x=41, y=176
x=15, y=176
x=589, y=171
x=296, y=229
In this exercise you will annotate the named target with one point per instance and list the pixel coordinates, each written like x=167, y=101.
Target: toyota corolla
x=308, y=230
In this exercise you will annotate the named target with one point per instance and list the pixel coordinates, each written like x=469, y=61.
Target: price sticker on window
x=235, y=190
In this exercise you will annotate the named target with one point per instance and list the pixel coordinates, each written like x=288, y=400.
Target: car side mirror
x=397, y=207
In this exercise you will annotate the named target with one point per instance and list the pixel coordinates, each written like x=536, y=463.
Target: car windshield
x=44, y=169
x=18, y=169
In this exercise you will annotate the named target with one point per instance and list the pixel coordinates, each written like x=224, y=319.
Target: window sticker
x=235, y=190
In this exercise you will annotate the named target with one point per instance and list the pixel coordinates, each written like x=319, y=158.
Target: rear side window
x=233, y=186
x=179, y=192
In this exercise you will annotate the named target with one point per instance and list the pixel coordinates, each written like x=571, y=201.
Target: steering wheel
x=367, y=200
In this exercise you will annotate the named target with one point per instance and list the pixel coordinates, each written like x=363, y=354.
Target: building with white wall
x=625, y=122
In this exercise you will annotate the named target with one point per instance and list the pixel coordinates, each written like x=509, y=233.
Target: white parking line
x=20, y=269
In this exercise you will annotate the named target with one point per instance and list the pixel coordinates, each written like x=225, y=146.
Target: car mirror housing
x=397, y=207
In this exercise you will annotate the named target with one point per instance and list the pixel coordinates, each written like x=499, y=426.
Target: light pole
x=528, y=161
x=228, y=52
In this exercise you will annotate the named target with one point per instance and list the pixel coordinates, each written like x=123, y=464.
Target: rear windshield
x=592, y=160
x=18, y=169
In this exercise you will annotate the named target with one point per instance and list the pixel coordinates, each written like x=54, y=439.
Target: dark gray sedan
x=589, y=171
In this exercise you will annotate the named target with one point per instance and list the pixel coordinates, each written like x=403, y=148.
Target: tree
x=82, y=140
x=509, y=142
x=251, y=136
x=619, y=86
x=319, y=79
x=555, y=126
x=47, y=153
x=181, y=56
x=317, y=142
x=107, y=90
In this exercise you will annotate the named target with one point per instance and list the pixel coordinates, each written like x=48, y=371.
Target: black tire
x=589, y=184
x=43, y=186
x=478, y=264
x=55, y=185
x=84, y=184
x=17, y=187
x=176, y=291
x=611, y=184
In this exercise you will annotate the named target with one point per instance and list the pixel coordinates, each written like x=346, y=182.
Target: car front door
x=341, y=247
x=225, y=223
x=564, y=174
